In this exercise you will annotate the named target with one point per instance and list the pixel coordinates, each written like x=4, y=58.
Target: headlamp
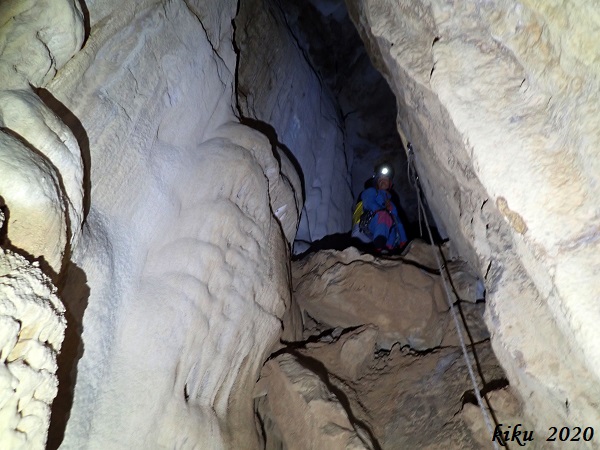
x=383, y=170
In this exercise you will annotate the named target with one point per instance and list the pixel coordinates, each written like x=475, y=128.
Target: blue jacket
x=374, y=199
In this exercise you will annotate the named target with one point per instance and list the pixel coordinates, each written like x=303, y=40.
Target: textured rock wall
x=500, y=101
x=40, y=160
x=277, y=85
x=182, y=252
x=41, y=200
x=179, y=276
x=379, y=334
x=347, y=289
x=32, y=327
x=367, y=106
x=298, y=411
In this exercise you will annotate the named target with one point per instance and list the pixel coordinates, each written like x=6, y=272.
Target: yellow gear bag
x=358, y=212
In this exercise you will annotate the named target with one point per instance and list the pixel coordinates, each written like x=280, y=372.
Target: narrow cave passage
x=373, y=336
x=330, y=86
x=175, y=174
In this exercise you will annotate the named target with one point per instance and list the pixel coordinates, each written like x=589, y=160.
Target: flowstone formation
x=40, y=159
x=32, y=327
x=183, y=253
x=178, y=279
x=380, y=364
x=41, y=201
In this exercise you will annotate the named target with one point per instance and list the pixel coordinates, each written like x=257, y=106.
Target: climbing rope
x=413, y=176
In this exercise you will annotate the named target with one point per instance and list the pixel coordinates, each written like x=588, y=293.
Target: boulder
x=348, y=289
x=407, y=399
x=298, y=410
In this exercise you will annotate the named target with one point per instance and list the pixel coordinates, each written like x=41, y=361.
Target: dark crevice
x=334, y=333
x=302, y=50
x=236, y=75
x=76, y=127
x=86, y=22
x=4, y=226
x=493, y=385
x=74, y=292
x=487, y=270
x=210, y=42
x=261, y=423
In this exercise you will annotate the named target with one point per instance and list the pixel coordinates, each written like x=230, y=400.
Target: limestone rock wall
x=41, y=201
x=179, y=276
x=182, y=275
x=329, y=39
x=182, y=250
x=500, y=102
x=278, y=86
x=40, y=161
